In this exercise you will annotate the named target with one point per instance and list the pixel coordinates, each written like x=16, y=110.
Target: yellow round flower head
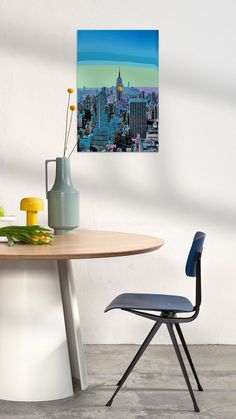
x=72, y=107
x=70, y=90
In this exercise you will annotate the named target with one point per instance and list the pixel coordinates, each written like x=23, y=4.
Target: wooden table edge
x=15, y=252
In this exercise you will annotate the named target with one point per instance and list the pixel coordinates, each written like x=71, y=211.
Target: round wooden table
x=41, y=347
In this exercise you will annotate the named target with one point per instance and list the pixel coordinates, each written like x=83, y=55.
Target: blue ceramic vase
x=63, y=198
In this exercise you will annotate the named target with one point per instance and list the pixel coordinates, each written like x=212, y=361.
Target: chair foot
x=138, y=355
x=181, y=363
x=181, y=336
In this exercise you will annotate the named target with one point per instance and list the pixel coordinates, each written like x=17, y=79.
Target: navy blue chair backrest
x=196, y=248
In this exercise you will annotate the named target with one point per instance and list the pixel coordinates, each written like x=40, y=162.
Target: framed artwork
x=117, y=90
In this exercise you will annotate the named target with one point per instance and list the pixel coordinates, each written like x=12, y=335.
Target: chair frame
x=170, y=319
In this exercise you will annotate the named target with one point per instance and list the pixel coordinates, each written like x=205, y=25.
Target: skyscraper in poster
x=100, y=109
x=138, y=117
x=119, y=87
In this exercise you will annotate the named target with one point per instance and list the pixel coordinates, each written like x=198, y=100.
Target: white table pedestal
x=34, y=359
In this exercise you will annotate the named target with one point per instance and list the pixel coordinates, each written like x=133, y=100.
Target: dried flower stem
x=68, y=133
x=74, y=147
x=67, y=114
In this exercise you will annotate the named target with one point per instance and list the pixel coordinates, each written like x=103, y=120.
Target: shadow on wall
x=121, y=186
x=120, y=189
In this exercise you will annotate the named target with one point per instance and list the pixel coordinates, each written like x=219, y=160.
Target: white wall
x=189, y=185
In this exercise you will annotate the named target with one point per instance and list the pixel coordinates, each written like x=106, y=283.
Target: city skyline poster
x=118, y=90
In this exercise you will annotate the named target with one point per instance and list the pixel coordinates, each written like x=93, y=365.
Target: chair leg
x=181, y=362
x=135, y=360
x=181, y=336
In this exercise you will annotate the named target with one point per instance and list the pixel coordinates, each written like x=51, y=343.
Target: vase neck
x=63, y=175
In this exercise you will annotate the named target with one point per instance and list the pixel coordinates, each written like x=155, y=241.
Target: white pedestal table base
x=34, y=358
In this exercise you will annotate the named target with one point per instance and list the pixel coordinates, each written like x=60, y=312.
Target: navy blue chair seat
x=151, y=302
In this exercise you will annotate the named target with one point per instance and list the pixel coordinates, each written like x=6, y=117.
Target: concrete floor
x=155, y=389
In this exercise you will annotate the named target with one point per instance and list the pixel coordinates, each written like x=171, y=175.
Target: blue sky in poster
x=136, y=47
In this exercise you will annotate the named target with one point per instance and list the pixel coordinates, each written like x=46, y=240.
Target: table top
x=84, y=244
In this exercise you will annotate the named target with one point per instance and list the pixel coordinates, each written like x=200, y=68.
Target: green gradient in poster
x=94, y=75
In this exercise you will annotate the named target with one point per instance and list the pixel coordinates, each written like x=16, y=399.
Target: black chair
x=169, y=306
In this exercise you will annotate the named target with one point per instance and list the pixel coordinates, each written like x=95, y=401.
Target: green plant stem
x=26, y=234
x=10, y=240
